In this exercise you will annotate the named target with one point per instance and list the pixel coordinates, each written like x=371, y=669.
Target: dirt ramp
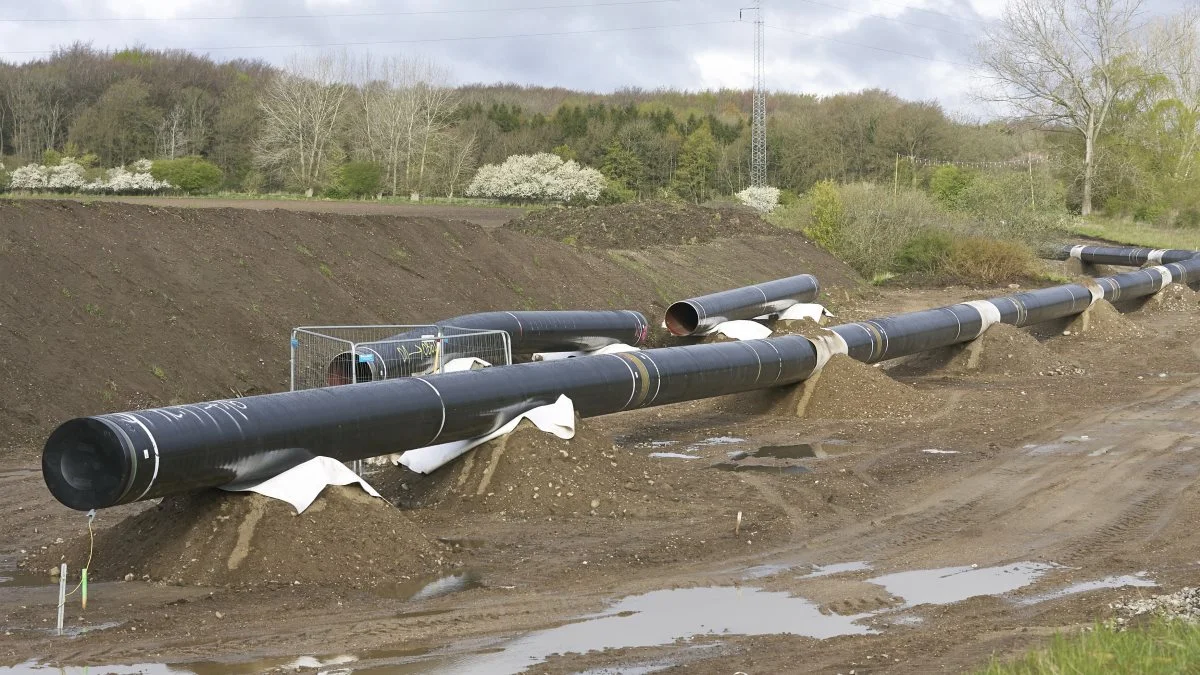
x=532, y=474
x=1002, y=350
x=345, y=539
x=848, y=389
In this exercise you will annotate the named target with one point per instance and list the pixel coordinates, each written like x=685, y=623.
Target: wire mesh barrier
x=325, y=356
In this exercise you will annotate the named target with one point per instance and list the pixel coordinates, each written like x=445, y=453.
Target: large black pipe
x=702, y=314
x=415, y=352
x=1124, y=255
x=102, y=461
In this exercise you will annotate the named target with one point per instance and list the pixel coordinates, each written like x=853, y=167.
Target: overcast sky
x=918, y=49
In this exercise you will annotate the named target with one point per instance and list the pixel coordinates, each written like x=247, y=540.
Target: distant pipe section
x=529, y=332
x=1124, y=255
x=106, y=460
x=700, y=315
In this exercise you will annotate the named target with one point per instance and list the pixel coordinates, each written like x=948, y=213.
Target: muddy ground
x=917, y=518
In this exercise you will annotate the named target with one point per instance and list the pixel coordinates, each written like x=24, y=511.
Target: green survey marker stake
x=83, y=587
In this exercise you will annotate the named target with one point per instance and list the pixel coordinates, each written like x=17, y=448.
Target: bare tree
x=459, y=161
x=1064, y=63
x=436, y=105
x=1175, y=42
x=301, y=112
x=172, y=139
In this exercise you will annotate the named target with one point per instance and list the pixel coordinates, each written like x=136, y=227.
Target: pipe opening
x=348, y=368
x=682, y=319
x=86, y=465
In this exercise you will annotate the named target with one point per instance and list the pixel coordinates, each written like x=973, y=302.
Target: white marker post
x=62, y=595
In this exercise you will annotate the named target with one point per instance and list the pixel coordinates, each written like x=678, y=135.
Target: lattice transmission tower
x=758, y=115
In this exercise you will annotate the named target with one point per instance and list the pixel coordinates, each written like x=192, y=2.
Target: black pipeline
x=96, y=462
x=702, y=314
x=528, y=332
x=102, y=461
x=1124, y=255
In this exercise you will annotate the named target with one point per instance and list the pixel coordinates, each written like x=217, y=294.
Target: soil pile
x=1104, y=323
x=849, y=389
x=634, y=226
x=112, y=306
x=533, y=474
x=346, y=539
x=1002, y=350
x=1173, y=298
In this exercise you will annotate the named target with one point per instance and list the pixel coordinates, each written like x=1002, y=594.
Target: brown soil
x=1104, y=323
x=346, y=538
x=634, y=226
x=1003, y=350
x=1091, y=472
x=1173, y=298
x=128, y=306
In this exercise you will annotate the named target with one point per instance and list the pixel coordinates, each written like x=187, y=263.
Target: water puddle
x=672, y=455
x=954, y=584
x=836, y=568
x=662, y=617
x=24, y=579
x=431, y=586
x=936, y=451
x=328, y=665
x=1138, y=580
x=719, y=440
x=759, y=468
x=799, y=451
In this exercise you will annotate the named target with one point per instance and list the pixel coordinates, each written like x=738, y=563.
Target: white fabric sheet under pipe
x=302, y=484
x=618, y=348
x=558, y=418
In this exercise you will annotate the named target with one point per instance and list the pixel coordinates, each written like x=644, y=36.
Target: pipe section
x=700, y=315
x=1124, y=255
x=106, y=460
x=529, y=332
x=102, y=461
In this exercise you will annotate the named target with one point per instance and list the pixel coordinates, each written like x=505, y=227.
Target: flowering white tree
x=762, y=199
x=535, y=178
x=69, y=176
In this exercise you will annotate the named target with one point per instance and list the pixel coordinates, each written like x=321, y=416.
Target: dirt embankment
x=111, y=306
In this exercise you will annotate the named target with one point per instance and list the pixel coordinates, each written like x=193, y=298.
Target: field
x=920, y=517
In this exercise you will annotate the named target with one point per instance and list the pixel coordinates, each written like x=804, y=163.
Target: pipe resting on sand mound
x=702, y=314
x=106, y=460
x=1123, y=255
x=528, y=332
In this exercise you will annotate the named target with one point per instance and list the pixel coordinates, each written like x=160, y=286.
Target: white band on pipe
x=828, y=344
x=989, y=314
x=1155, y=257
x=1168, y=277
x=1077, y=252
x=1095, y=289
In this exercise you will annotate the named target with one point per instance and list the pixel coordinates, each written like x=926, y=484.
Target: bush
x=761, y=199
x=990, y=261
x=540, y=177
x=948, y=183
x=926, y=253
x=355, y=180
x=828, y=214
x=615, y=192
x=192, y=175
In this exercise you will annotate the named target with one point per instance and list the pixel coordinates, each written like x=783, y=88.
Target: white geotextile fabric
x=558, y=418
x=804, y=310
x=619, y=348
x=302, y=484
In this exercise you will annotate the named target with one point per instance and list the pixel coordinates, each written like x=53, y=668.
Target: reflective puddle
x=432, y=586
x=836, y=568
x=815, y=450
x=1138, y=580
x=662, y=617
x=954, y=584
x=23, y=579
x=759, y=468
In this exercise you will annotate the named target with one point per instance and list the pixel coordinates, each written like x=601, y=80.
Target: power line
x=865, y=46
x=415, y=40
x=271, y=17
x=886, y=17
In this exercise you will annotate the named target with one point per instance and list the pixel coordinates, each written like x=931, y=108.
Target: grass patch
x=304, y=250
x=1163, y=647
x=399, y=254
x=158, y=372
x=92, y=309
x=1135, y=233
x=325, y=270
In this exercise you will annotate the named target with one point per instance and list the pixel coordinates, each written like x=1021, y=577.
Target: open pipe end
x=87, y=464
x=682, y=319
x=348, y=368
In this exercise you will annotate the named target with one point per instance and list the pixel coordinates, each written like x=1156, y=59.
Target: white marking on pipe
x=153, y=444
x=1077, y=252
x=828, y=344
x=443, y=402
x=778, y=360
x=989, y=314
x=1155, y=257
x=1168, y=277
x=657, y=377
x=632, y=379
